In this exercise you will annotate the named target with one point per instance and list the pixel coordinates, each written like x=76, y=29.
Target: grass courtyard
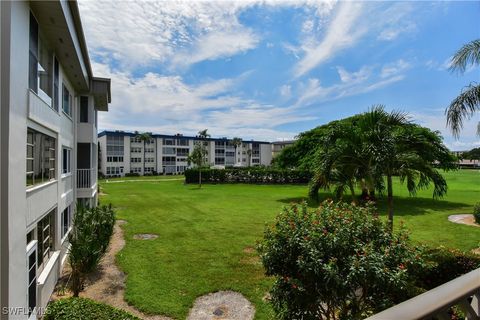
x=206, y=236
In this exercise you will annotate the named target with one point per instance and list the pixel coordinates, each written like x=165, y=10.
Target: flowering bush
x=337, y=262
x=248, y=175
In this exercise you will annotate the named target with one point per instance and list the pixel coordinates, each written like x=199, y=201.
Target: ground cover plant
x=84, y=309
x=206, y=237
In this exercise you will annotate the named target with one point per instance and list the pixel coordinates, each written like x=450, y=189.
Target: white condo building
x=122, y=152
x=48, y=125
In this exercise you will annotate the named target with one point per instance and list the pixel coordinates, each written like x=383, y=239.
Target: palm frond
x=463, y=107
x=468, y=54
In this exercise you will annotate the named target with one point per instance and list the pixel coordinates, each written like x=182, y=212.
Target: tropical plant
x=89, y=238
x=468, y=102
x=339, y=261
x=144, y=137
x=376, y=146
x=199, y=154
x=236, y=142
x=249, y=155
x=473, y=154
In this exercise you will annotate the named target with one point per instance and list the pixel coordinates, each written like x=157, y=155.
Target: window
x=150, y=160
x=219, y=160
x=67, y=101
x=149, y=169
x=84, y=109
x=169, y=142
x=182, y=142
x=168, y=160
x=114, y=159
x=66, y=222
x=32, y=277
x=33, y=56
x=45, y=236
x=255, y=160
x=168, y=150
x=56, y=72
x=136, y=160
x=135, y=139
x=149, y=150
x=135, y=149
x=136, y=170
x=114, y=171
x=66, y=160
x=40, y=158
x=115, y=146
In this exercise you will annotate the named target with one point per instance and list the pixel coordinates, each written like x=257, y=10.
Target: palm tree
x=377, y=146
x=236, y=142
x=468, y=102
x=201, y=153
x=249, y=154
x=144, y=137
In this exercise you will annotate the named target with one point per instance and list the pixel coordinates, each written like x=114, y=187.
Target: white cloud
x=394, y=68
x=286, y=91
x=167, y=104
x=435, y=119
x=342, y=33
x=366, y=79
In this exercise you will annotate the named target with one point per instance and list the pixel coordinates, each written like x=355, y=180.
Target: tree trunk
x=200, y=177
x=390, y=201
x=143, y=157
x=76, y=283
x=352, y=191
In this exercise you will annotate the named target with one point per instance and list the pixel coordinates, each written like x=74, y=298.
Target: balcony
x=463, y=292
x=86, y=178
x=86, y=182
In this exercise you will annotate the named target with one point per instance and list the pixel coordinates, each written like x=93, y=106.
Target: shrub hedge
x=444, y=264
x=476, y=212
x=84, y=309
x=248, y=175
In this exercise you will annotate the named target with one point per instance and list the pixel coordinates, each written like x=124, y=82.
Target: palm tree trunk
x=352, y=191
x=200, y=177
x=390, y=201
x=143, y=157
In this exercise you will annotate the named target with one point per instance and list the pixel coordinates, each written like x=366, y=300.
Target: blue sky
x=269, y=70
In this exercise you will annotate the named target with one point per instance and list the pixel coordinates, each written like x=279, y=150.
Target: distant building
x=122, y=152
x=278, y=146
x=466, y=163
x=50, y=100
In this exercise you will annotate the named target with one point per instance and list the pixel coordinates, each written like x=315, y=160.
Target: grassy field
x=206, y=236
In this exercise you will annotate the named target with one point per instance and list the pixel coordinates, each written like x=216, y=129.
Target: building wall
x=23, y=207
x=162, y=150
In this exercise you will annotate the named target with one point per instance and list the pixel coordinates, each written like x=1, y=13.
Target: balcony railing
x=86, y=178
x=463, y=292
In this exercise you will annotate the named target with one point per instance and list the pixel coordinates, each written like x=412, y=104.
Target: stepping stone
x=225, y=305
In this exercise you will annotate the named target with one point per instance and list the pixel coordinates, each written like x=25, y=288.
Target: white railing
x=463, y=292
x=86, y=178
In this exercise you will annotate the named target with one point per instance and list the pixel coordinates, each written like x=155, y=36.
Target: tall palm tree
x=249, y=154
x=236, y=142
x=468, y=102
x=144, y=137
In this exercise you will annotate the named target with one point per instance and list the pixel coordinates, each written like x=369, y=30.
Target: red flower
x=401, y=266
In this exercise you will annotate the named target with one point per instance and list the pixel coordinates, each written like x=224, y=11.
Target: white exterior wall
x=265, y=154
x=26, y=206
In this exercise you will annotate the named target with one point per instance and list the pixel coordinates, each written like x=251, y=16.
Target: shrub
x=132, y=174
x=476, y=212
x=442, y=265
x=258, y=175
x=84, y=309
x=89, y=238
x=337, y=262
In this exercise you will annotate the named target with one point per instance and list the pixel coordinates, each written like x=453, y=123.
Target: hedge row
x=84, y=309
x=251, y=175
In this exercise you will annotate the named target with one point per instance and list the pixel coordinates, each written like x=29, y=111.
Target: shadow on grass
x=402, y=206
x=412, y=206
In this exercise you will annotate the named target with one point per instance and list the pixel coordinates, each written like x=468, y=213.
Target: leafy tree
x=375, y=146
x=199, y=155
x=89, y=238
x=473, y=154
x=236, y=142
x=337, y=262
x=468, y=102
x=144, y=137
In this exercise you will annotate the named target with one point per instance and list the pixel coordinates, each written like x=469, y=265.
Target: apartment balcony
x=463, y=292
x=86, y=182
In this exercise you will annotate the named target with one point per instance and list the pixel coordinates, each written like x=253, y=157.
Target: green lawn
x=205, y=235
